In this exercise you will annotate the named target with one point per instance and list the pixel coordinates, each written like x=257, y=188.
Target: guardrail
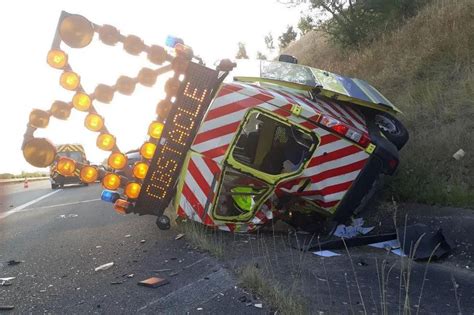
x=21, y=180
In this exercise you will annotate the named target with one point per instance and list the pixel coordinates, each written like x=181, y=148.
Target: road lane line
x=63, y=204
x=23, y=206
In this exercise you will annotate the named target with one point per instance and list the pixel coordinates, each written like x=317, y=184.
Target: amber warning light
x=192, y=100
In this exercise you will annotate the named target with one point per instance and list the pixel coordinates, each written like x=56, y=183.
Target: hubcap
x=386, y=124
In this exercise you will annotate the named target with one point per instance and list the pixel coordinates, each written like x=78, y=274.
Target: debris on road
x=104, y=266
x=142, y=241
x=199, y=309
x=72, y=215
x=179, y=236
x=130, y=275
x=4, y=282
x=326, y=253
x=388, y=245
x=428, y=242
x=153, y=282
x=258, y=305
x=353, y=230
x=14, y=262
x=6, y=307
x=98, y=246
x=127, y=236
x=116, y=282
x=459, y=154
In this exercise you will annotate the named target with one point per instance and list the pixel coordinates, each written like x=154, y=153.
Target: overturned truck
x=273, y=140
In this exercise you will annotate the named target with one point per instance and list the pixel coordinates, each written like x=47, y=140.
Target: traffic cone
x=25, y=184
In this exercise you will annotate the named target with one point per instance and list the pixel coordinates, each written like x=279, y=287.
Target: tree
x=241, y=52
x=261, y=56
x=287, y=37
x=306, y=24
x=353, y=22
x=269, y=42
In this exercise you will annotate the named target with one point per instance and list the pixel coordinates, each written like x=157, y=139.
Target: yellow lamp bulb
x=105, y=141
x=66, y=166
x=89, y=174
x=117, y=161
x=148, y=150
x=81, y=101
x=57, y=59
x=155, y=129
x=140, y=169
x=94, y=122
x=69, y=80
x=111, y=181
x=132, y=190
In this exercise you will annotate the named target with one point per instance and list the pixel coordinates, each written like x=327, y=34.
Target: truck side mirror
x=288, y=58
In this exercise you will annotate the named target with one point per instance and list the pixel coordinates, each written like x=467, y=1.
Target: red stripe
x=181, y=213
x=327, y=190
x=338, y=171
x=216, y=152
x=228, y=89
x=328, y=139
x=236, y=106
x=196, y=205
x=213, y=166
x=216, y=132
x=355, y=116
x=334, y=155
x=200, y=180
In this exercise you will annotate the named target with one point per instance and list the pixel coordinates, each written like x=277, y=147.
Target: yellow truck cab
x=72, y=151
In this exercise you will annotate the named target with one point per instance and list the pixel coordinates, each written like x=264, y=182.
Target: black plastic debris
x=14, y=262
x=427, y=238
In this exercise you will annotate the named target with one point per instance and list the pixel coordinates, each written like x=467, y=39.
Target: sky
x=211, y=27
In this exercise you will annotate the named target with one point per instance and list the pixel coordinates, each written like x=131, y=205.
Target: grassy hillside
x=426, y=68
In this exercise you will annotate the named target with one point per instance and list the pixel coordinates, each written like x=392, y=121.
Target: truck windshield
x=271, y=146
x=75, y=155
x=287, y=72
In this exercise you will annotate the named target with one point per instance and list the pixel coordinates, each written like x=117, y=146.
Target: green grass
x=425, y=68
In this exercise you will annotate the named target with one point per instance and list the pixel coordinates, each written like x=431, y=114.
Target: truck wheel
x=163, y=222
x=392, y=129
x=54, y=186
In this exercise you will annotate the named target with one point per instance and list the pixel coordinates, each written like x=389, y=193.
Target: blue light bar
x=171, y=41
x=109, y=196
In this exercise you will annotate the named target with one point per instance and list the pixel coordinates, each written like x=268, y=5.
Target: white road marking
x=23, y=206
x=63, y=204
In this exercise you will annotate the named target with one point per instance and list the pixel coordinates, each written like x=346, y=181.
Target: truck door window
x=240, y=195
x=272, y=146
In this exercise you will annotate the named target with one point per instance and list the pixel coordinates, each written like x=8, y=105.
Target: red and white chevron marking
x=333, y=167
x=198, y=194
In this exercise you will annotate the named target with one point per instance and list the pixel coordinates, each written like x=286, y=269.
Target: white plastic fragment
x=459, y=154
x=258, y=305
x=127, y=236
x=392, y=244
x=104, y=266
x=326, y=253
x=352, y=230
x=180, y=235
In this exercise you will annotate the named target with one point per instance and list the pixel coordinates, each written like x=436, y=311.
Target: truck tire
x=392, y=129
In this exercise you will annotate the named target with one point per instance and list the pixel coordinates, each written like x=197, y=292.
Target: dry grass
x=426, y=69
x=203, y=238
x=285, y=302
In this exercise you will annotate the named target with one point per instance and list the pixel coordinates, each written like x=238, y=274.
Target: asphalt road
x=60, y=237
